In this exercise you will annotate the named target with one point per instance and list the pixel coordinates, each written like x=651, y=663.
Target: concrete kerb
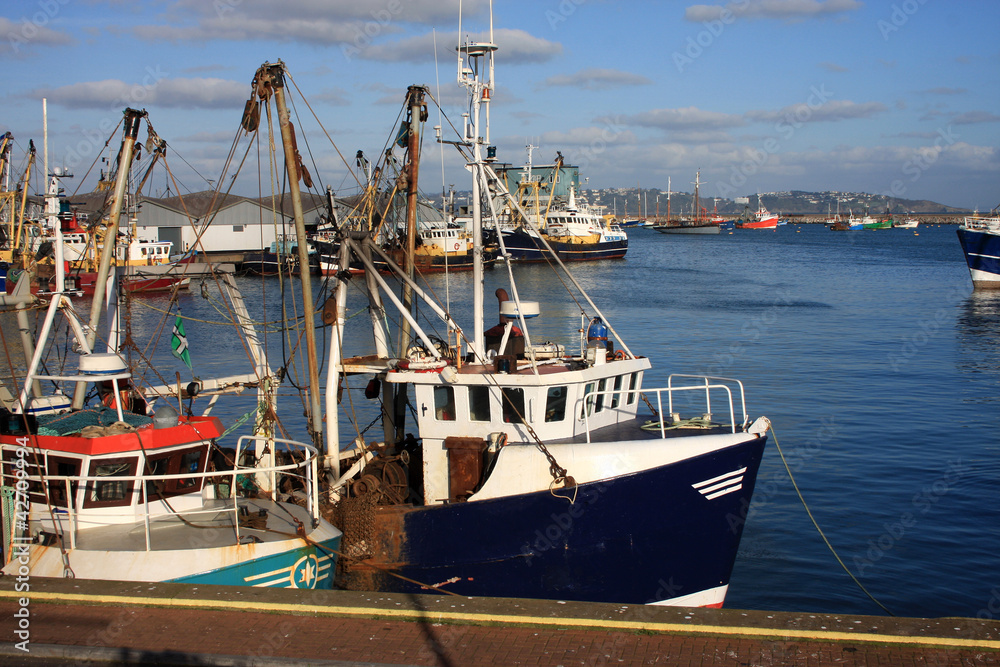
x=968, y=633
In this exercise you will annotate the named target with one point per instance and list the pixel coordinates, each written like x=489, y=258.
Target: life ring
x=456, y=246
x=620, y=355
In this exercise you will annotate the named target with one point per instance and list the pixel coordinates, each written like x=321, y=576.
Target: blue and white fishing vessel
x=534, y=468
x=572, y=232
x=980, y=239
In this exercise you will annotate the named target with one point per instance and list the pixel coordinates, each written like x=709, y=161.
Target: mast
x=668, y=200
x=475, y=72
x=417, y=112
x=132, y=119
x=415, y=102
x=57, y=298
x=271, y=79
x=697, y=199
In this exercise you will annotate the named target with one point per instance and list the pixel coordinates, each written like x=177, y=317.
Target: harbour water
x=877, y=364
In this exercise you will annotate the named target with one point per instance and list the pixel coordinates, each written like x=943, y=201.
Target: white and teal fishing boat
x=98, y=485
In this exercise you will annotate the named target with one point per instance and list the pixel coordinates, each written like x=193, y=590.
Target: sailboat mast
x=668, y=200
x=697, y=198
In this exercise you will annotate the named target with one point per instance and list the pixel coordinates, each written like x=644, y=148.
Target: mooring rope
x=820, y=530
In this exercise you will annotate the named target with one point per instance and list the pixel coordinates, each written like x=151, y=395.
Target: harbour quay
x=76, y=621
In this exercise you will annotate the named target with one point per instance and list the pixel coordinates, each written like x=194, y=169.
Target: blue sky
x=760, y=95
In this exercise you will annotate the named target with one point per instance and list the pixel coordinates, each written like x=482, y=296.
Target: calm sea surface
x=875, y=361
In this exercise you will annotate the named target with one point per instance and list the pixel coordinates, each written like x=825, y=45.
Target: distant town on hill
x=628, y=203
x=625, y=202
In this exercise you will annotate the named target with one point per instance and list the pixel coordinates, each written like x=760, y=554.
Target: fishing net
x=85, y=421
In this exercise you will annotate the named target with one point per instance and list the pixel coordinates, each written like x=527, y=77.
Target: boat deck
x=213, y=522
x=632, y=430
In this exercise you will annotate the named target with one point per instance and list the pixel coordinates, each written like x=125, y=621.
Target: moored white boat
x=104, y=490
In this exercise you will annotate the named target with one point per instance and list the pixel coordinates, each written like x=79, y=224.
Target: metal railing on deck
x=706, y=384
x=77, y=487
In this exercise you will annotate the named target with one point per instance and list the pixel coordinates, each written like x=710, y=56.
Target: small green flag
x=179, y=342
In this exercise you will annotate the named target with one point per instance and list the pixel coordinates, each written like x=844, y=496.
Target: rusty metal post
x=415, y=101
x=275, y=74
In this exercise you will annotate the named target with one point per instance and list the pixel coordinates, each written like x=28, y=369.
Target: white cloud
x=19, y=36
x=410, y=11
x=772, y=9
x=587, y=136
x=351, y=22
x=597, y=79
x=337, y=97
x=516, y=46
x=114, y=94
x=973, y=117
x=242, y=27
x=686, y=118
x=833, y=67
x=830, y=111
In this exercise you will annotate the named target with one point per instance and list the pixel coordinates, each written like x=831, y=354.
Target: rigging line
x=462, y=148
x=215, y=196
x=312, y=159
x=215, y=274
x=318, y=121
x=67, y=570
x=190, y=166
x=287, y=361
x=99, y=153
x=820, y=530
x=188, y=318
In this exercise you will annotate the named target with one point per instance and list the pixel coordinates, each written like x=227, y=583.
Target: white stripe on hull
x=710, y=597
x=985, y=278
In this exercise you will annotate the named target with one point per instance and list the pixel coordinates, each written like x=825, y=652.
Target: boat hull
x=688, y=229
x=646, y=537
x=762, y=224
x=267, y=263
x=288, y=564
x=522, y=247
x=982, y=255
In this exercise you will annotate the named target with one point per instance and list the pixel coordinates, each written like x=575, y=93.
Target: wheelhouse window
x=589, y=400
x=513, y=405
x=54, y=466
x=444, y=404
x=616, y=397
x=108, y=492
x=174, y=463
x=555, y=404
x=57, y=488
x=633, y=383
x=479, y=404
x=599, y=399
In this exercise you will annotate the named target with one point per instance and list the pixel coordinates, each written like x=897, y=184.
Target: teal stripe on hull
x=304, y=567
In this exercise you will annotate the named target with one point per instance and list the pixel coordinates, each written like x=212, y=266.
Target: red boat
x=159, y=278
x=762, y=219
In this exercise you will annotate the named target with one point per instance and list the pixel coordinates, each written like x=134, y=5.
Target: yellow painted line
x=597, y=624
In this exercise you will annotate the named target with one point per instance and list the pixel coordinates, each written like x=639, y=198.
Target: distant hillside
x=633, y=202
x=626, y=202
